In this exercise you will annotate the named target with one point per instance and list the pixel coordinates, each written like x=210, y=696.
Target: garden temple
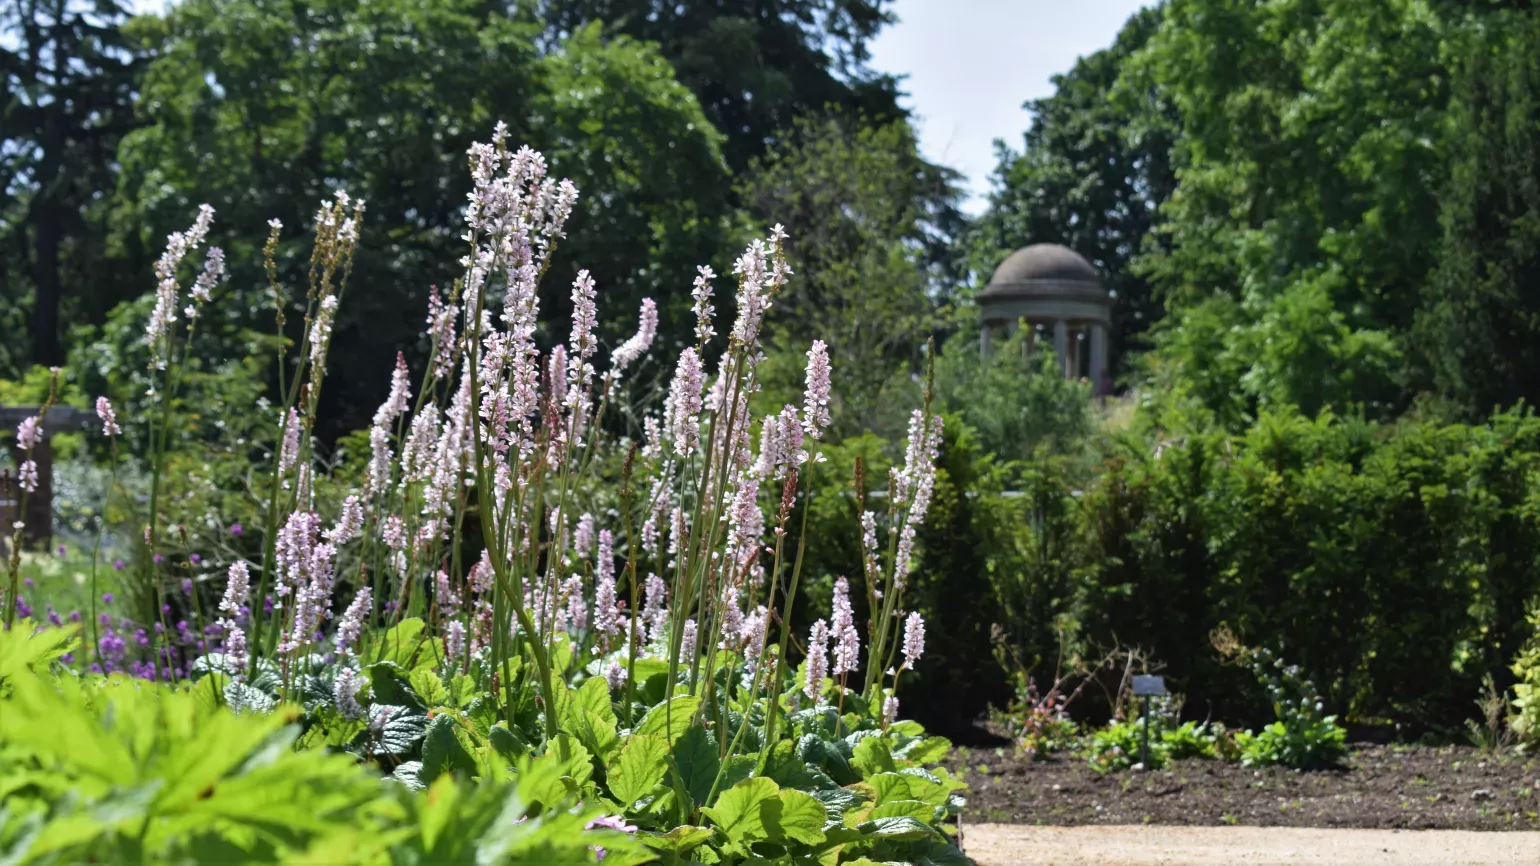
x=1052, y=289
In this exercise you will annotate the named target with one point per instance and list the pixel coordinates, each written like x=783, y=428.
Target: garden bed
x=1400, y=787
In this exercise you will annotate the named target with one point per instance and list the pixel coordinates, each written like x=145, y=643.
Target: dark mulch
x=1401, y=787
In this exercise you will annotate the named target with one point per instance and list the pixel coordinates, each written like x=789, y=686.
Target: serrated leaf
x=902, y=829
x=508, y=742
x=399, y=731
x=697, y=762
x=739, y=811
x=915, y=809
x=390, y=685
x=429, y=688
x=735, y=769
x=443, y=750
x=399, y=644
x=872, y=756
x=243, y=699
x=594, y=696
x=927, y=751
x=678, y=840
x=570, y=758
x=670, y=718
x=795, y=816
x=595, y=733
x=642, y=763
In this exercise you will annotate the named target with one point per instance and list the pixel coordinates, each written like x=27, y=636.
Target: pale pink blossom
x=847, y=641
x=635, y=347
x=816, y=399
x=914, y=639
x=108, y=417
x=684, y=403
x=26, y=476
x=817, y=660
x=702, y=308
x=29, y=433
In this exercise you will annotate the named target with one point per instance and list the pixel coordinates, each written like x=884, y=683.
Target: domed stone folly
x=1053, y=289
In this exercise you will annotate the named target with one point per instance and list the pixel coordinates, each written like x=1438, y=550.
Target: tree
x=1479, y=324
x=264, y=108
x=755, y=65
x=1094, y=167
x=69, y=75
x=870, y=224
x=1311, y=143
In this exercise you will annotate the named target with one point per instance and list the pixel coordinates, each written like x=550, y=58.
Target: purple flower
x=817, y=660
x=194, y=559
x=158, y=559
x=353, y=619
x=74, y=616
x=107, y=596
x=53, y=617
x=27, y=582
x=684, y=403
x=847, y=642
x=610, y=822
x=187, y=586
x=60, y=550
x=236, y=529
x=22, y=608
x=109, y=417
x=267, y=606
x=117, y=565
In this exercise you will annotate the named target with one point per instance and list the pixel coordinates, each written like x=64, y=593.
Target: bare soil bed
x=1384, y=787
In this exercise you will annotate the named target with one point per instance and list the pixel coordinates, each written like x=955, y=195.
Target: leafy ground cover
x=1406, y=787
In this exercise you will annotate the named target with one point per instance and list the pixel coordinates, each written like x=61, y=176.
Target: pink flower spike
x=108, y=417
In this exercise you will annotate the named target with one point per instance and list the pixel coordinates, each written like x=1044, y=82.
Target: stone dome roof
x=1043, y=269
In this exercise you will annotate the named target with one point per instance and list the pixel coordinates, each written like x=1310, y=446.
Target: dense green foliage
x=1393, y=564
x=1329, y=201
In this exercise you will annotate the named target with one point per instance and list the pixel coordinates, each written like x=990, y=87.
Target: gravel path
x=1020, y=845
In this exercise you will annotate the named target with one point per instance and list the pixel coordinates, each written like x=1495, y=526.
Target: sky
x=972, y=63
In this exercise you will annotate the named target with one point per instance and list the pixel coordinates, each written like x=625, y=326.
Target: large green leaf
x=445, y=748
x=697, y=761
x=670, y=718
x=872, y=756
x=740, y=812
x=597, y=734
x=399, y=644
x=927, y=751
x=901, y=829
x=795, y=816
x=642, y=764
x=429, y=688
x=678, y=840
x=594, y=695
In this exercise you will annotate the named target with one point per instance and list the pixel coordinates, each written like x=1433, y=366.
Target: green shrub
x=1303, y=737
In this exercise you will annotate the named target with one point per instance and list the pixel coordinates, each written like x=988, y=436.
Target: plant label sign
x=1149, y=686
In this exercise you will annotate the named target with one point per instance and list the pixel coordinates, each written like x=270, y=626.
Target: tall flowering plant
x=471, y=567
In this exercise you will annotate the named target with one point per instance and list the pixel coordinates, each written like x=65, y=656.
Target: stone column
x=984, y=339
x=1061, y=344
x=1098, y=357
